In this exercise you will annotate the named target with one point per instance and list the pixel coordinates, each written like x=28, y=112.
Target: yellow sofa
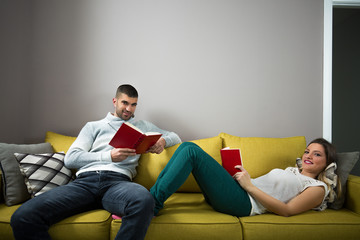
x=186, y=215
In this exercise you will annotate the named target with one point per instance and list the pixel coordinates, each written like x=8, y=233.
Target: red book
x=230, y=158
x=129, y=136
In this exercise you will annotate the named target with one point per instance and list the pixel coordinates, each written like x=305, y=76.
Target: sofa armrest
x=352, y=200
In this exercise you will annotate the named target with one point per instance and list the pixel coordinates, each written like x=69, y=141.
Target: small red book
x=230, y=158
x=129, y=136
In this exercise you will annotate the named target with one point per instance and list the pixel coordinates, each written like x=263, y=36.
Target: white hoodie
x=91, y=150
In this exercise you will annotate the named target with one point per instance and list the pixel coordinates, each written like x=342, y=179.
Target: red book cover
x=129, y=136
x=230, y=158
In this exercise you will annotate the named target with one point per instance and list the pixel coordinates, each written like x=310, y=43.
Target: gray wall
x=248, y=68
x=15, y=82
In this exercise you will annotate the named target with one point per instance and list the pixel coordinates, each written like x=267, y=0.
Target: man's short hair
x=128, y=90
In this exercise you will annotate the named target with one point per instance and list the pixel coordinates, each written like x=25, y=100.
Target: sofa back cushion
x=261, y=155
x=150, y=165
x=59, y=142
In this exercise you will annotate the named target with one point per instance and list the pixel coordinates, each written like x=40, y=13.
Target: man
x=103, y=178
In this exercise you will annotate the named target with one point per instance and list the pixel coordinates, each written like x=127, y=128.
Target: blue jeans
x=111, y=191
x=220, y=190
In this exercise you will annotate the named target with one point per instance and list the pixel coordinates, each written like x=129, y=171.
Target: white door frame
x=327, y=62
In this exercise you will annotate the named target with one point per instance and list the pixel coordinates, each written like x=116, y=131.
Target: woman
x=287, y=192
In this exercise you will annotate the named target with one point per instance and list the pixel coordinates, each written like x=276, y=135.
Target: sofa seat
x=188, y=216
x=93, y=225
x=5, y=216
x=328, y=224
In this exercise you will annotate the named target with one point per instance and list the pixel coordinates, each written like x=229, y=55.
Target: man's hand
x=158, y=147
x=120, y=154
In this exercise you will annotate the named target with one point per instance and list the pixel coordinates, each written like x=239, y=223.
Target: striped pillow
x=43, y=172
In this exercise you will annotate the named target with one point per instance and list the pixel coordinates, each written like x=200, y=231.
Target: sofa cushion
x=94, y=225
x=312, y=225
x=43, y=172
x=260, y=155
x=59, y=142
x=150, y=165
x=352, y=200
x=188, y=216
x=5, y=215
x=345, y=161
x=14, y=188
x=89, y=225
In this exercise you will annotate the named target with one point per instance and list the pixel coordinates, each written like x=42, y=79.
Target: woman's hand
x=243, y=178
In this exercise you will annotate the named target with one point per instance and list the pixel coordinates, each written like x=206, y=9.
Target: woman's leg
x=221, y=191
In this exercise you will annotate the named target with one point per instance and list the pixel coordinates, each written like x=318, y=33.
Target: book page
x=132, y=126
x=152, y=133
x=138, y=129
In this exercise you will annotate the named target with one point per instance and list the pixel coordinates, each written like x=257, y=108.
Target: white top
x=284, y=185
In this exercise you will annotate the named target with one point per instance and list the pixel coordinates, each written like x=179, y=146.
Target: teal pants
x=220, y=190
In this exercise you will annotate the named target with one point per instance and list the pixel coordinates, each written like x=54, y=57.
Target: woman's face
x=313, y=160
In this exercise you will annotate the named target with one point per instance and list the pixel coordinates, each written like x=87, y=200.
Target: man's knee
x=29, y=214
x=16, y=220
x=147, y=200
x=22, y=218
x=143, y=201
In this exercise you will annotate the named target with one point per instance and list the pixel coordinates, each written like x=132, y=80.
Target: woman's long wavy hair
x=331, y=157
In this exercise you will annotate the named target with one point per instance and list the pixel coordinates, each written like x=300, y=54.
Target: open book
x=129, y=136
x=230, y=158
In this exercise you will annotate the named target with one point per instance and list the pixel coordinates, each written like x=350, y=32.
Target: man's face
x=124, y=106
